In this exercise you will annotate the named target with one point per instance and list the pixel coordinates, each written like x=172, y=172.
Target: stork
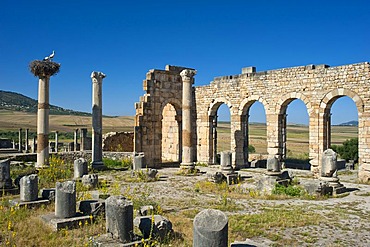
x=49, y=58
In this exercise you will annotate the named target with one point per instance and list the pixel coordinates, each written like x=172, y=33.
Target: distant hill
x=350, y=123
x=18, y=102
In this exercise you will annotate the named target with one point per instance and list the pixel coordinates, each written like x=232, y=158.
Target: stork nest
x=44, y=68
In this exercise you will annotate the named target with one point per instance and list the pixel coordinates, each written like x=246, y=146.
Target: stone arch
x=248, y=102
x=175, y=103
x=170, y=135
x=331, y=96
x=288, y=98
x=325, y=118
x=243, y=113
x=215, y=104
x=281, y=109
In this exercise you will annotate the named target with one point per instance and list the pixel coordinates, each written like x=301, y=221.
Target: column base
x=187, y=166
x=98, y=165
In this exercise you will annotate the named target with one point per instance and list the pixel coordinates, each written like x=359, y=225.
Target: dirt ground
x=334, y=221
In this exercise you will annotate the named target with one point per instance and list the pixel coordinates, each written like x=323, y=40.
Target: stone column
x=26, y=141
x=83, y=135
x=210, y=228
x=75, y=142
x=80, y=168
x=65, y=199
x=119, y=218
x=33, y=148
x=29, y=188
x=43, y=123
x=5, y=179
x=43, y=69
x=56, y=141
x=245, y=133
x=214, y=138
x=20, y=140
x=97, y=120
x=187, y=103
x=283, y=135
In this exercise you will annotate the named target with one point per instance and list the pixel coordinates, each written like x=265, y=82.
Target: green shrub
x=125, y=163
x=348, y=150
x=290, y=190
x=251, y=149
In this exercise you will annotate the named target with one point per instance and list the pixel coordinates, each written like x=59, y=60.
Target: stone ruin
x=190, y=135
x=118, y=141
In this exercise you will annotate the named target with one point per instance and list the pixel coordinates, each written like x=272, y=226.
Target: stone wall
x=118, y=141
x=318, y=86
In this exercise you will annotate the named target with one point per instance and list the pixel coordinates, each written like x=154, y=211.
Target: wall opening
x=342, y=115
x=170, y=135
x=295, y=127
x=220, y=131
x=253, y=121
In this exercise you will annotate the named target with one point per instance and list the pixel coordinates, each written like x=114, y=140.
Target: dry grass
x=13, y=120
x=297, y=137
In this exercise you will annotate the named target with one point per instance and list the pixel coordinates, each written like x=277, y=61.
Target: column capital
x=188, y=74
x=97, y=76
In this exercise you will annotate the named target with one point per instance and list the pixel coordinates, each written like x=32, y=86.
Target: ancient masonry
x=318, y=86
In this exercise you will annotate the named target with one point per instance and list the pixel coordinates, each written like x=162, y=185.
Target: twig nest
x=44, y=68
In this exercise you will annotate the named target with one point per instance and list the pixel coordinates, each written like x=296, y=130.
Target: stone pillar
x=29, y=188
x=65, y=199
x=225, y=161
x=83, y=135
x=75, y=142
x=210, y=228
x=119, y=218
x=26, y=141
x=5, y=180
x=214, y=139
x=20, y=140
x=245, y=133
x=80, y=168
x=56, y=141
x=187, y=103
x=33, y=148
x=43, y=123
x=138, y=161
x=97, y=120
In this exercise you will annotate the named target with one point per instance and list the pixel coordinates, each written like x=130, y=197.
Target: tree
x=348, y=150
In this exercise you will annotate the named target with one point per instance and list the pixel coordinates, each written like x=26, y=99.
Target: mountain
x=350, y=123
x=18, y=102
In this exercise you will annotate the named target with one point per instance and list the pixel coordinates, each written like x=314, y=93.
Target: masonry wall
x=318, y=86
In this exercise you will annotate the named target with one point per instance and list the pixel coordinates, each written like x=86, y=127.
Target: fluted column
x=97, y=120
x=83, y=135
x=187, y=103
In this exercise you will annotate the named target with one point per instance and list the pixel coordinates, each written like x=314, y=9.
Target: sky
x=125, y=39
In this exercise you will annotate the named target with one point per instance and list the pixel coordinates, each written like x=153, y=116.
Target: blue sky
x=124, y=39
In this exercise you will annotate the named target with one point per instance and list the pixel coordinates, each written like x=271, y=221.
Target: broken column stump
x=210, y=229
x=65, y=199
x=119, y=218
x=29, y=188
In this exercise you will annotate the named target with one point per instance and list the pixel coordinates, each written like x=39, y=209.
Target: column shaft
x=43, y=122
x=97, y=120
x=187, y=102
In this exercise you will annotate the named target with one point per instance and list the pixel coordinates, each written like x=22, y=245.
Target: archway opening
x=220, y=131
x=342, y=115
x=171, y=150
x=294, y=122
x=253, y=121
x=257, y=146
